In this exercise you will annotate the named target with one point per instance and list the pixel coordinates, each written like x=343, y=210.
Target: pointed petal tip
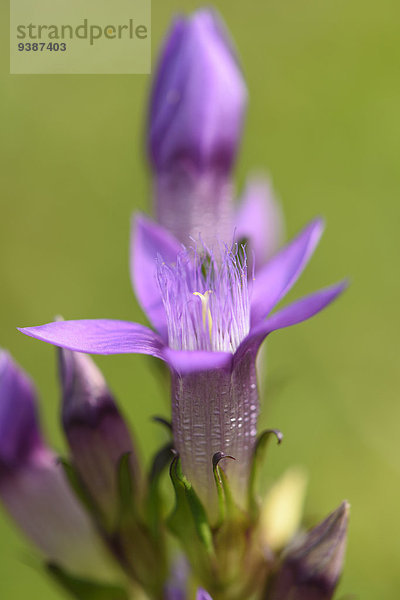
x=318, y=221
x=297, y=312
x=316, y=228
x=26, y=331
x=139, y=218
x=330, y=532
x=4, y=356
x=337, y=288
x=343, y=510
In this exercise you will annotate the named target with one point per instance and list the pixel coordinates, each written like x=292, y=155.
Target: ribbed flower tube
x=216, y=411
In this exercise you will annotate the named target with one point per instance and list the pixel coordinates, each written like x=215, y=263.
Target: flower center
x=206, y=300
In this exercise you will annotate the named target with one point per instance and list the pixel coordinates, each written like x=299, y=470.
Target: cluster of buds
x=208, y=276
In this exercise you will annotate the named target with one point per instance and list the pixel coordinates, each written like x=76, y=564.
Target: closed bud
x=197, y=108
x=312, y=566
x=33, y=487
x=20, y=437
x=96, y=432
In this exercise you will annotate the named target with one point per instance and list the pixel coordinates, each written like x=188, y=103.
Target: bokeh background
x=324, y=121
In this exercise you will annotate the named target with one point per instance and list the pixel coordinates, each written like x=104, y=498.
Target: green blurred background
x=324, y=120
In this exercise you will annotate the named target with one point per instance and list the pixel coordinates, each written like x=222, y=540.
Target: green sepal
x=132, y=537
x=232, y=531
x=154, y=501
x=86, y=589
x=227, y=506
x=78, y=487
x=164, y=422
x=188, y=520
x=127, y=500
x=258, y=457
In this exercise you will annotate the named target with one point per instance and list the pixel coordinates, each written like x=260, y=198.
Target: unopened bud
x=33, y=486
x=197, y=108
x=312, y=566
x=96, y=432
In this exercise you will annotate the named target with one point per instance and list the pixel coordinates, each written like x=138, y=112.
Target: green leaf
x=85, y=589
x=258, y=457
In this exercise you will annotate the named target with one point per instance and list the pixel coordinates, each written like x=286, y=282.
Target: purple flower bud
x=312, y=565
x=197, y=107
x=198, y=98
x=33, y=487
x=20, y=437
x=97, y=434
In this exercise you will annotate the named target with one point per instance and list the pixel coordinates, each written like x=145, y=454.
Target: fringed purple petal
x=99, y=336
x=259, y=221
x=282, y=271
x=298, y=311
x=148, y=241
x=19, y=426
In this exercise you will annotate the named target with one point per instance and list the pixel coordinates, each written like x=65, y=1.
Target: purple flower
x=33, y=487
x=96, y=432
x=210, y=323
x=196, y=115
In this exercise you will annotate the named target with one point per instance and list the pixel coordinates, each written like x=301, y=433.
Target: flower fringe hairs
x=209, y=276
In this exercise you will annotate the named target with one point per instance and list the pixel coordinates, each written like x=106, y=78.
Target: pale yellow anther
x=205, y=310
